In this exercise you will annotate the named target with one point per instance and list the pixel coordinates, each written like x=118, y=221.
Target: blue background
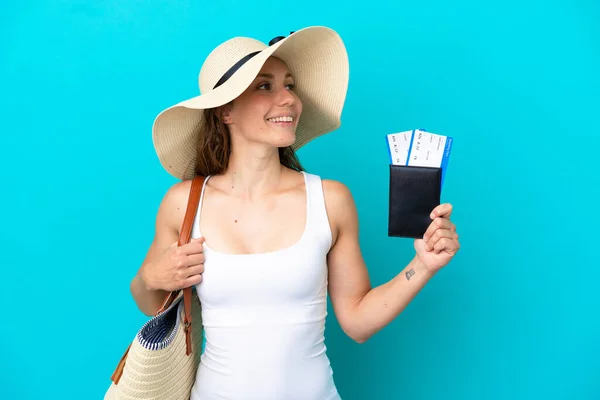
x=516, y=83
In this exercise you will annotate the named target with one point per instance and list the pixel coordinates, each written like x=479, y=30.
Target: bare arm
x=360, y=309
x=169, y=217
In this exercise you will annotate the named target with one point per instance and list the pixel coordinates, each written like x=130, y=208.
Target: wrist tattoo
x=409, y=274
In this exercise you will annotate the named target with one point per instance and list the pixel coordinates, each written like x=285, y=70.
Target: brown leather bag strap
x=185, y=235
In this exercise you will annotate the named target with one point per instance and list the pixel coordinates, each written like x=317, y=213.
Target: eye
x=290, y=86
x=264, y=86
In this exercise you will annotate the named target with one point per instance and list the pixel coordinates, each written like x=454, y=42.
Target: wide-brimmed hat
x=317, y=59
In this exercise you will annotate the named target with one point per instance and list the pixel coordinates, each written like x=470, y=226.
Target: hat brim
x=318, y=61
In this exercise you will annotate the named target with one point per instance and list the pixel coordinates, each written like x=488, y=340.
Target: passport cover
x=414, y=193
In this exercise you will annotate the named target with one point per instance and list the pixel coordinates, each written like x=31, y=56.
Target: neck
x=253, y=170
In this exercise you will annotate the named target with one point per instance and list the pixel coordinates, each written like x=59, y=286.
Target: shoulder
x=340, y=206
x=177, y=194
x=336, y=193
x=173, y=205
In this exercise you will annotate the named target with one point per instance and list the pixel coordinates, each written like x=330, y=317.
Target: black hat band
x=243, y=61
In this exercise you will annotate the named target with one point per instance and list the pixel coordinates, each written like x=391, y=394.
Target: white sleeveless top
x=264, y=317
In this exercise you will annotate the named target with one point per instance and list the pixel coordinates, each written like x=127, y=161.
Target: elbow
x=139, y=302
x=355, y=328
x=146, y=311
x=357, y=335
x=360, y=339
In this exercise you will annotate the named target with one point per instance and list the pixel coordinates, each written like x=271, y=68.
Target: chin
x=285, y=140
x=286, y=143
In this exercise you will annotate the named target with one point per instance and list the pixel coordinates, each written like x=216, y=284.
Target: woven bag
x=162, y=360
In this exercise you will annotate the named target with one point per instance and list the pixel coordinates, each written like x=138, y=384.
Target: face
x=269, y=110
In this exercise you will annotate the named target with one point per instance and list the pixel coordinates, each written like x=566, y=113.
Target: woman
x=270, y=240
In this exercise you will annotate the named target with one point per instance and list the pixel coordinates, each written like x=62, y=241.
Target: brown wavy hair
x=214, y=146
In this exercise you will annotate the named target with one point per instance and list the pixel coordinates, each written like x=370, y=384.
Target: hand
x=178, y=267
x=440, y=241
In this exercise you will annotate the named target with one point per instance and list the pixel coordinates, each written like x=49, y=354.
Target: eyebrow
x=271, y=76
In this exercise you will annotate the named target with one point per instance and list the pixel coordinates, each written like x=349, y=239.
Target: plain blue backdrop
x=516, y=83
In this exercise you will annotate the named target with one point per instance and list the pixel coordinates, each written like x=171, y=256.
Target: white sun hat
x=318, y=61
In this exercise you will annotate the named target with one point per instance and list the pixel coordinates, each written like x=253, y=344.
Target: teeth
x=281, y=119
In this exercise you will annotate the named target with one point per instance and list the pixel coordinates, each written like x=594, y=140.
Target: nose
x=285, y=97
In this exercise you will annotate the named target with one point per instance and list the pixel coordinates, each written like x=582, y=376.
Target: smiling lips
x=284, y=121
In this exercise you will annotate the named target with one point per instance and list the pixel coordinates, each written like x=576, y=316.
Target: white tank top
x=264, y=316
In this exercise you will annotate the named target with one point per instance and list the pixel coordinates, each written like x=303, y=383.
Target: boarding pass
x=419, y=148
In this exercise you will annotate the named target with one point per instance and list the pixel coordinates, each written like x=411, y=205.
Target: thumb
x=199, y=240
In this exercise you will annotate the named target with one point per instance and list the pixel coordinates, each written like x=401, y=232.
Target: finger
x=192, y=280
x=195, y=270
x=439, y=235
x=446, y=244
x=194, y=259
x=176, y=244
x=442, y=211
x=438, y=223
x=194, y=247
x=181, y=276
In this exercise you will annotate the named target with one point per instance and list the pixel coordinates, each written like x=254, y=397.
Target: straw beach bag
x=162, y=360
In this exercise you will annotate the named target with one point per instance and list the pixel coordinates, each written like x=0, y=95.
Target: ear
x=226, y=114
